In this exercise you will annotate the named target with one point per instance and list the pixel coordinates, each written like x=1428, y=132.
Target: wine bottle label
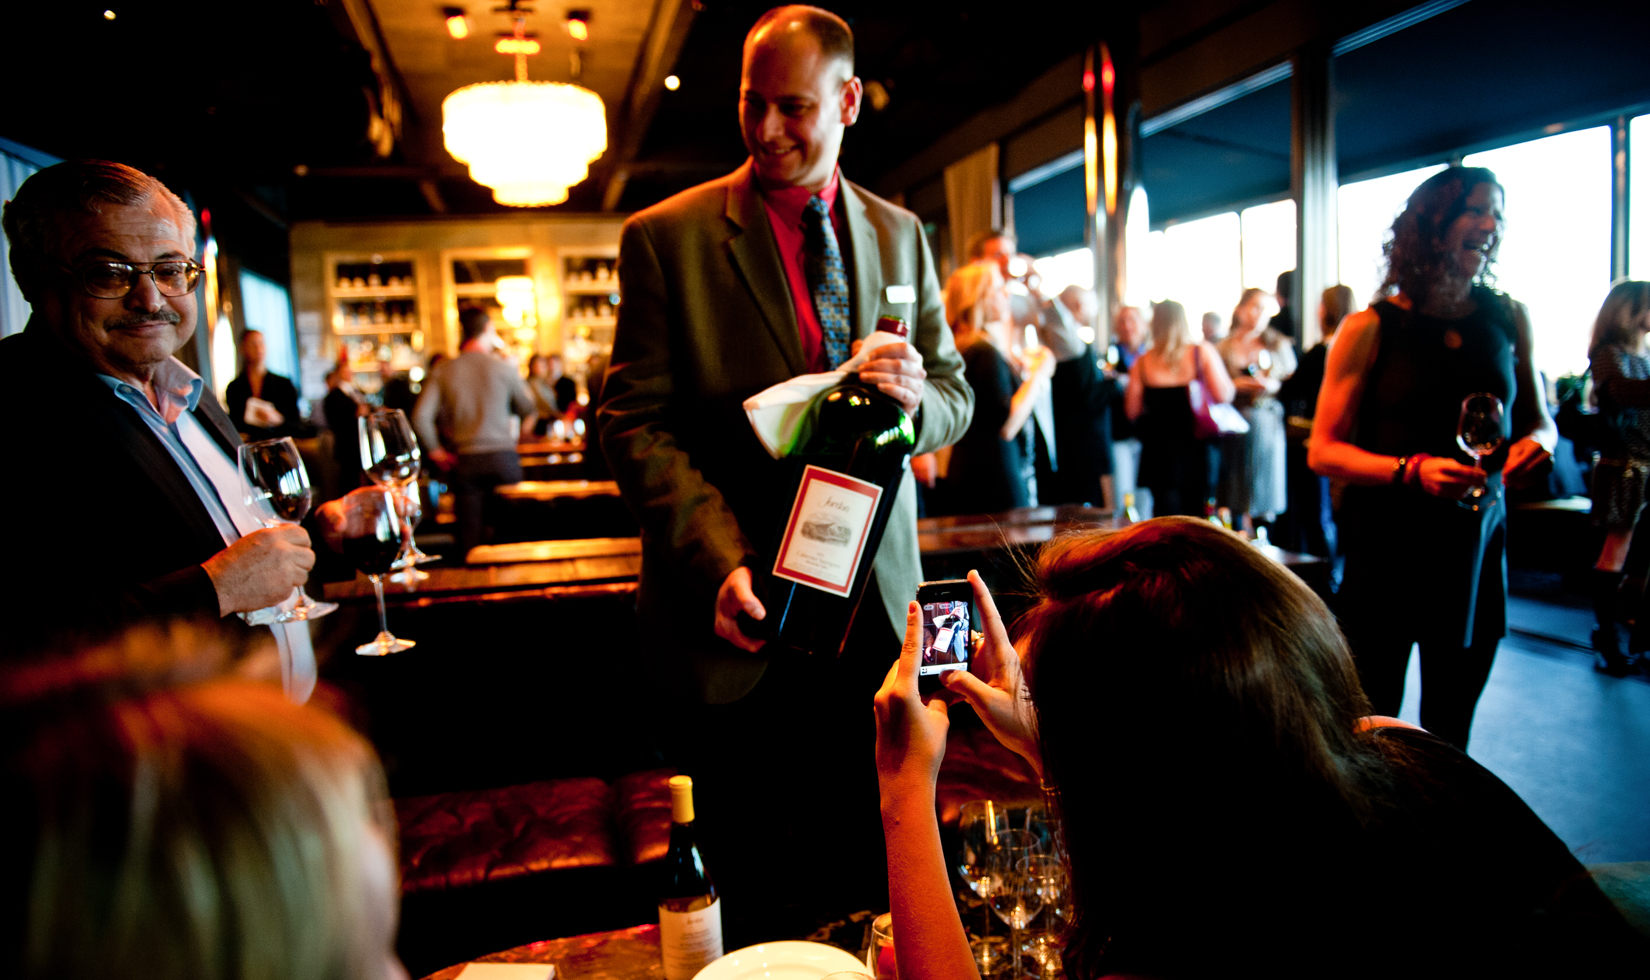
x=824, y=539
x=690, y=941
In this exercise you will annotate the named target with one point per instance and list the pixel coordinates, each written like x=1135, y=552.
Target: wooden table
x=625, y=954
x=557, y=489
x=987, y=532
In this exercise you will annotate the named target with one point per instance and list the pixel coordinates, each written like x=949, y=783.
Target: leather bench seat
x=978, y=767
x=484, y=870
x=454, y=840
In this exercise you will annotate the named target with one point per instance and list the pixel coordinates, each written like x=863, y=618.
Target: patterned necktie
x=827, y=279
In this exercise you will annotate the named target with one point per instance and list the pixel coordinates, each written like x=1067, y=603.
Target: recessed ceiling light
x=672, y=82
x=108, y=15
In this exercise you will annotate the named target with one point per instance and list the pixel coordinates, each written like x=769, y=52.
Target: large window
x=1638, y=211
x=1555, y=255
x=268, y=309
x=1366, y=211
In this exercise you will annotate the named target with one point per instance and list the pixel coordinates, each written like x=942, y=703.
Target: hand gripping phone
x=947, y=630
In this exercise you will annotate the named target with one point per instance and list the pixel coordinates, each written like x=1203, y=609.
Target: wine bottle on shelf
x=690, y=914
x=849, y=464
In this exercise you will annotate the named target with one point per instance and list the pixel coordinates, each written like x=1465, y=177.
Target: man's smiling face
x=794, y=104
x=126, y=337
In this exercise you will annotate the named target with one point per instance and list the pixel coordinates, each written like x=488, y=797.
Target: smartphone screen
x=947, y=621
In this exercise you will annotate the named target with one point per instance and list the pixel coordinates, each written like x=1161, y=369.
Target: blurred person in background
x=1174, y=460
x=1082, y=394
x=1259, y=360
x=164, y=819
x=1309, y=524
x=1129, y=342
x=1168, y=672
x=471, y=404
x=396, y=389
x=1621, y=383
x=993, y=465
x=1283, y=321
x=543, y=387
x=1214, y=327
x=262, y=405
x=341, y=407
x=1421, y=567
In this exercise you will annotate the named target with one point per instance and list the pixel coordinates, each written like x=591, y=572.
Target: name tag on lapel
x=900, y=294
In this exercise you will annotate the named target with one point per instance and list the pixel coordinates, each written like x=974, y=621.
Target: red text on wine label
x=825, y=537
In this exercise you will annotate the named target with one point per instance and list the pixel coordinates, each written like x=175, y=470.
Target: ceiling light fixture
x=672, y=82
x=458, y=25
x=578, y=25
x=529, y=141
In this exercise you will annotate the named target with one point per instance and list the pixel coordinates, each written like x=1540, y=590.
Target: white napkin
x=776, y=413
x=263, y=414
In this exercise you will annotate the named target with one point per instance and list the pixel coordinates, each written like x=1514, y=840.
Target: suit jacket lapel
x=867, y=259
x=756, y=256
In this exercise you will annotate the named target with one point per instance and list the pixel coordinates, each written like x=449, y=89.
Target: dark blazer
x=278, y=391
x=103, y=528
x=707, y=321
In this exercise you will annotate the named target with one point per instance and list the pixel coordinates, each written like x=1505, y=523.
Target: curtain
x=972, y=199
x=14, y=309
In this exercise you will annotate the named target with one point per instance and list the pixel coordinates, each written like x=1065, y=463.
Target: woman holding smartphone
x=1230, y=806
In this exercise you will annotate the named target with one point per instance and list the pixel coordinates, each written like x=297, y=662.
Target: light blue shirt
x=179, y=392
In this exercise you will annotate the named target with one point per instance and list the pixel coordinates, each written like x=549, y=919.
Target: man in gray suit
x=723, y=298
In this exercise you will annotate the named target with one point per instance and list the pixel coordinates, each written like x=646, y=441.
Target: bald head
x=797, y=95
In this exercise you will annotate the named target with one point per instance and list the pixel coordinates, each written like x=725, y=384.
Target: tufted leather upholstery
x=641, y=809
x=451, y=840
x=977, y=767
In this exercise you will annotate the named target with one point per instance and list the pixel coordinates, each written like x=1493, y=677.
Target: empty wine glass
x=391, y=459
x=1479, y=434
x=1016, y=895
x=275, y=489
x=979, y=823
x=372, y=539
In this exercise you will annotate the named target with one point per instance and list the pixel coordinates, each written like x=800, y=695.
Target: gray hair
x=74, y=187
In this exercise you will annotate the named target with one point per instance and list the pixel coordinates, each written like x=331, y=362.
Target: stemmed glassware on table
x=372, y=536
x=275, y=488
x=1016, y=894
x=980, y=823
x=391, y=459
x=1479, y=433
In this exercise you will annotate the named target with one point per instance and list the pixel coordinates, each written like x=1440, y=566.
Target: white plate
x=789, y=960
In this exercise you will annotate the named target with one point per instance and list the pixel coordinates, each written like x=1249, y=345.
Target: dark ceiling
x=225, y=100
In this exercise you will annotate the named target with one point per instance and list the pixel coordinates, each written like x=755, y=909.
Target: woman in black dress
x=1420, y=567
x=993, y=466
x=1174, y=461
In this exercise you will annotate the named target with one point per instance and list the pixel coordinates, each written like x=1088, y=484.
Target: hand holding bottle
x=897, y=371
x=734, y=597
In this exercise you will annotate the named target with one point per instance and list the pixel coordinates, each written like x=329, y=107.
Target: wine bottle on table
x=690, y=914
x=849, y=465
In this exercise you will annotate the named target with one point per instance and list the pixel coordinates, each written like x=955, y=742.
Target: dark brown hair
x=1185, y=682
x=1415, y=260
x=1628, y=300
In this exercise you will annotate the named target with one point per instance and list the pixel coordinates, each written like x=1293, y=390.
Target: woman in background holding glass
x=993, y=466
x=1621, y=383
x=1259, y=359
x=1421, y=568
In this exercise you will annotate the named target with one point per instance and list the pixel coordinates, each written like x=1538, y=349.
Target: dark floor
x=1574, y=743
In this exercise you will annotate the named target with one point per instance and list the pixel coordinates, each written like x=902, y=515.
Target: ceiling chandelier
x=528, y=141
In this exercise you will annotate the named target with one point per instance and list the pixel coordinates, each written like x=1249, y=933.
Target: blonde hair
x=170, y=821
x=1171, y=332
x=966, y=292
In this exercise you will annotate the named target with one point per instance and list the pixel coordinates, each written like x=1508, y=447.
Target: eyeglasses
x=112, y=280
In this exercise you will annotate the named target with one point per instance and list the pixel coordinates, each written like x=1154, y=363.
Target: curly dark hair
x=1415, y=262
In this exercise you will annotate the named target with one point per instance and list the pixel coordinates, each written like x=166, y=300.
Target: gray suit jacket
x=707, y=321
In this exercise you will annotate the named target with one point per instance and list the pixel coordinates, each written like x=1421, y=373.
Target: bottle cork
x=681, y=799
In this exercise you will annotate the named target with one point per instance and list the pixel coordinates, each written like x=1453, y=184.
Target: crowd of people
x=1217, y=744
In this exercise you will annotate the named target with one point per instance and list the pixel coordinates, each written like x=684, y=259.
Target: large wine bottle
x=690, y=914
x=849, y=465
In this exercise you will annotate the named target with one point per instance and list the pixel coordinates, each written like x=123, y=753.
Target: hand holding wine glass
x=1479, y=433
x=275, y=489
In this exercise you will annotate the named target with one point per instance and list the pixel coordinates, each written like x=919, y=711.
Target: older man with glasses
x=122, y=496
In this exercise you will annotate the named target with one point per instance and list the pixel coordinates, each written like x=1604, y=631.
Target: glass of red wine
x=1479, y=433
x=372, y=540
x=275, y=489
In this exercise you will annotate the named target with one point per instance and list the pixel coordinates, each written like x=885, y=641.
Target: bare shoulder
x=1357, y=340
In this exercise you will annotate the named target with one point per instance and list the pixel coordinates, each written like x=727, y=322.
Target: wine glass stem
x=383, y=617
x=1014, y=940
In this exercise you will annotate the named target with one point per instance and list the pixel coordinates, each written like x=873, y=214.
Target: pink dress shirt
x=785, y=207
